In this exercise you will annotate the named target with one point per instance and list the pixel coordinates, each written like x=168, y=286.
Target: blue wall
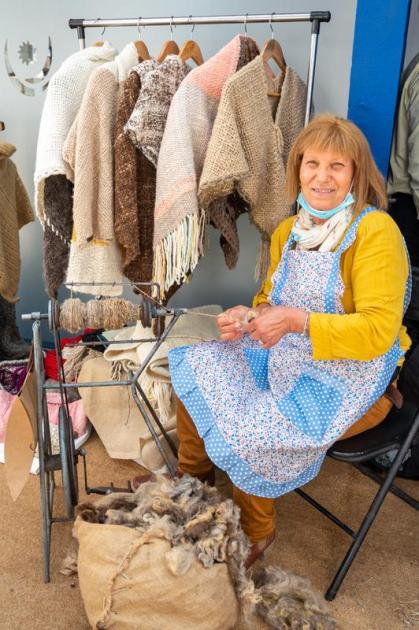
x=377, y=61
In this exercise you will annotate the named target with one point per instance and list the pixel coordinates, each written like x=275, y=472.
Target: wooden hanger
x=142, y=50
x=169, y=48
x=2, y=126
x=191, y=50
x=140, y=45
x=272, y=50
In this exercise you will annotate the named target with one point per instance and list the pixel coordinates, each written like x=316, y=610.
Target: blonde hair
x=328, y=132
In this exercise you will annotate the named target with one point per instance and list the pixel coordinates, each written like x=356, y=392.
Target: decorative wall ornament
x=27, y=55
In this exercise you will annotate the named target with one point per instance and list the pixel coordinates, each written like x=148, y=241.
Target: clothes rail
x=315, y=17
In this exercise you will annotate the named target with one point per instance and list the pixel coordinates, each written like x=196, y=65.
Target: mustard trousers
x=257, y=513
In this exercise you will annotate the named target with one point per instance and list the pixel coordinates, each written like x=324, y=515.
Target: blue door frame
x=377, y=61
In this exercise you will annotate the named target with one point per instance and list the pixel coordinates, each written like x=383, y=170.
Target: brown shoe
x=206, y=477
x=258, y=548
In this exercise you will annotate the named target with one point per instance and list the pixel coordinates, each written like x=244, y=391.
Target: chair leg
x=370, y=516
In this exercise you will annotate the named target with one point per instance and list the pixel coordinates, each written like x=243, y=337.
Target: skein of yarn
x=73, y=315
x=94, y=313
x=109, y=314
x=117, y=310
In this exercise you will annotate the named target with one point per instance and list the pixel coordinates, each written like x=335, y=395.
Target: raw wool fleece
x=179, y=225
x=248, y=153
x=89, y=156
x=199, y=526
x=53, y=191
x=16, y=211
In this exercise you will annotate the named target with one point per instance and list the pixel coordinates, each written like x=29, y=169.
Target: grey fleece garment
x=404, y=162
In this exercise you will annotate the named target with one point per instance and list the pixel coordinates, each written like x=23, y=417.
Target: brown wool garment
x=16, y=211
x=223, y=213
x=142, y=109
x=58, y=210
x=135, y=180
x=146, y=124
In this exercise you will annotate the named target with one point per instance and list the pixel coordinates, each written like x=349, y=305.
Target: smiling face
x=325, y=178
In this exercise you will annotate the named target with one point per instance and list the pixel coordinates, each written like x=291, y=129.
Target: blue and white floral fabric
x=267, y=417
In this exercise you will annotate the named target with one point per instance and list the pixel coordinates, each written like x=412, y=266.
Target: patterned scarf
x=321, y=236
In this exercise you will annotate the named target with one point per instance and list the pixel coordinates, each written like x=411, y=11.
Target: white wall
x=23, y=20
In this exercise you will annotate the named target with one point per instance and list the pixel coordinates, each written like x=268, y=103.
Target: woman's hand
x=232, y=323
x=275, y=322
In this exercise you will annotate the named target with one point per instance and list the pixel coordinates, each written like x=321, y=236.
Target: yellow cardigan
x=374, y=271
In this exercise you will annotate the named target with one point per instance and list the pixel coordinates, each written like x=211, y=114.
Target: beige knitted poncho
x=15, y=212
x=89, y=156
x=249, y=147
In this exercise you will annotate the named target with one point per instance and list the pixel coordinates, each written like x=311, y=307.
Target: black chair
x=396, y=432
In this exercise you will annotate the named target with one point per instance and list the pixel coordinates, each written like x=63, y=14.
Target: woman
x=310, y=362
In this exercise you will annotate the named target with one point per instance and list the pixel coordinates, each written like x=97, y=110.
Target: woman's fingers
x=226, y=323
x=231, y=336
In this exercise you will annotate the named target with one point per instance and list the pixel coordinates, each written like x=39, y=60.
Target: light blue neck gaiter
x=325, y=214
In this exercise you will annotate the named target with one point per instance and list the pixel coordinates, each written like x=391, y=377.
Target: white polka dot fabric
x=267, y=417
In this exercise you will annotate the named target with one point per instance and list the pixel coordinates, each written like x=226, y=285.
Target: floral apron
x=267, y=417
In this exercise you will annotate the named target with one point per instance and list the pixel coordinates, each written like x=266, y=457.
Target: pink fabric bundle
x=78, y=417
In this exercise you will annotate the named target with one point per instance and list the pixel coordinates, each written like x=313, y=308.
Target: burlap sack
x=125, y=583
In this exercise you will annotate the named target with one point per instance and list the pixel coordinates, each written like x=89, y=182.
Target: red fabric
x=50, y=360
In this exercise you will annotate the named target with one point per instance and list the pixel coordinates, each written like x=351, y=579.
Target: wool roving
x=110, y=313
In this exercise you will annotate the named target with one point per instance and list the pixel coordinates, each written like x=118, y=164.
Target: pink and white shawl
x=179, y=223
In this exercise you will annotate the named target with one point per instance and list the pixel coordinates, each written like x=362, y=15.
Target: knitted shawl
x=179, y=224
x=16, y=211
x=146, y=124
x=89, y=155
x=62, y=102
x=142, y=110
x=248, y=150
x=53, y=192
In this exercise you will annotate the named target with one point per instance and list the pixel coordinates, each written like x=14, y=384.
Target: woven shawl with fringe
x=179, y=224
x=89, y=154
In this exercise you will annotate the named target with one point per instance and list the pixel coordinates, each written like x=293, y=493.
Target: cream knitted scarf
x=321, y=236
